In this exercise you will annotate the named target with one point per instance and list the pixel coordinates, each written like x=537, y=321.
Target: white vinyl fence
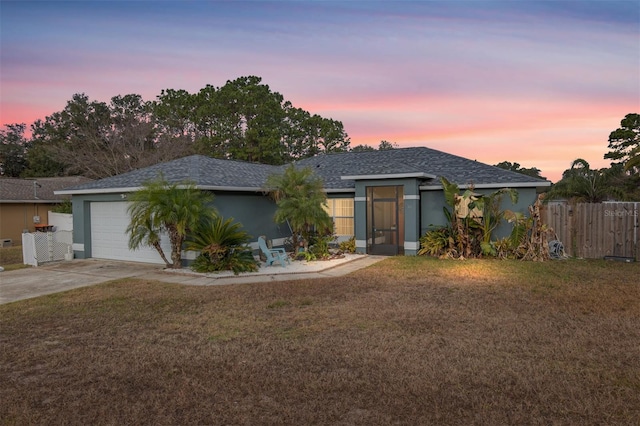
x=42, y=247
x=61, y=221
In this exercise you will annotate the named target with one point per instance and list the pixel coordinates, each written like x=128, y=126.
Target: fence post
x=50, y=245
x=29, y=254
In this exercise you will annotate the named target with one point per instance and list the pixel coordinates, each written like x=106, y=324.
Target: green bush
x=306, y=255
x=64, y=207
x=236, y=260
x=223, y=247
x=348, y=246
x=504, y=248
x=436, y=242
x=320, y=245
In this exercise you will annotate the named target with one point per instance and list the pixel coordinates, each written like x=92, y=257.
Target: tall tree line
x=618, y=182
x=242, y=120
x=581, y=183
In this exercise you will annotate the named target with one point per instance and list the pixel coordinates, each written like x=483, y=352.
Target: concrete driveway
x=62, y=276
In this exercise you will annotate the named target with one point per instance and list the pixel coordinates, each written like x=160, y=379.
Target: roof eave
x=389, y=176
x=94, y=191
x=134, y=189
x=339, y=190
x=32, y=201
x=230, y=188
x=497, y=185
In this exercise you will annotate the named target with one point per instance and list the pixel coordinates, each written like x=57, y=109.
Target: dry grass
x=406, y=341
x=11, y=258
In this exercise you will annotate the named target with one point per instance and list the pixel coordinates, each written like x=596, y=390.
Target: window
x=341, y=211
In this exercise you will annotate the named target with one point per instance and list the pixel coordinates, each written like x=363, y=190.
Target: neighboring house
x=25, y=203
x=386, y=199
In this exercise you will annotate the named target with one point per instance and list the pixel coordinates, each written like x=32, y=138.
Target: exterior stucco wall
x=411, y=217
x=360, y=217
x=526, y=197
x=254, y=211
x=433, y=216
x=17, y=217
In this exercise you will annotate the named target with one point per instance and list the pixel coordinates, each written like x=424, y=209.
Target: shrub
x=348, y=246
x=437, y=242
x=471, y=220
x=504, y=248
x=236, y=260
x=223, y=247
x=320, y=245
x=64, y=207
x=529, y=237
x=306, y=255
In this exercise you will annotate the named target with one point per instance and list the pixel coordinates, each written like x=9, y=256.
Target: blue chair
x=273, y=254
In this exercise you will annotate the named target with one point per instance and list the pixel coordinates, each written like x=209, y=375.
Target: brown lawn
x=408, y=341
x=11, y=258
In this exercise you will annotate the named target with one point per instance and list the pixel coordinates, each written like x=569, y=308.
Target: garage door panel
x=109, y=239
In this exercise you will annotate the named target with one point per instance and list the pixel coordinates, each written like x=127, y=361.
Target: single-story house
x=26, y=203
x=386, y=199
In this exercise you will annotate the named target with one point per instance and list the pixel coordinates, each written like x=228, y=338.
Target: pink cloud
x=538, y=88
x=539, y=134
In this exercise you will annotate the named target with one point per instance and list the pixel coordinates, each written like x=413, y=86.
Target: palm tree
x=582, y=184
x=300, y=199
x=174, y=208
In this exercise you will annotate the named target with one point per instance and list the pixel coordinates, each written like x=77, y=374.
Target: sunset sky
x=539, y=83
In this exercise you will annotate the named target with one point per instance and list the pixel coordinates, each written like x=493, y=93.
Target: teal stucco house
x=386, y=199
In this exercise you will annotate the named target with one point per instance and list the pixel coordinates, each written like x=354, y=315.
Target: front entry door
x=385, y=220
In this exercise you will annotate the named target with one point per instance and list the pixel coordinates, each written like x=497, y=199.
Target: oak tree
x=12, y=150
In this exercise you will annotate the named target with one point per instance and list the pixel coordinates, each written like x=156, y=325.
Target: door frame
x=391, y=229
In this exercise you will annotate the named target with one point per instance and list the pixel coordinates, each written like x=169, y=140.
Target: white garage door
x=109, y=239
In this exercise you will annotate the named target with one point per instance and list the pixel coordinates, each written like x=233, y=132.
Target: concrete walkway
x=62, y=276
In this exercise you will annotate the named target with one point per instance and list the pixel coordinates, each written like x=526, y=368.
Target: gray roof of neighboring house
x=36, y=190
x=212, y=173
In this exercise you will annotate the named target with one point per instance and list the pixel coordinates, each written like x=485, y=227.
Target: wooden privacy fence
x=593, y=231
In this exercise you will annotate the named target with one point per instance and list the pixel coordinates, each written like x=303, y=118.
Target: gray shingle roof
x=211, y=173
x=206, y=172
x=459, y=170
x=36, y=190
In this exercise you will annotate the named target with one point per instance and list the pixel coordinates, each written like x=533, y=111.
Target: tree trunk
x=162, y=255
x=176, y=248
